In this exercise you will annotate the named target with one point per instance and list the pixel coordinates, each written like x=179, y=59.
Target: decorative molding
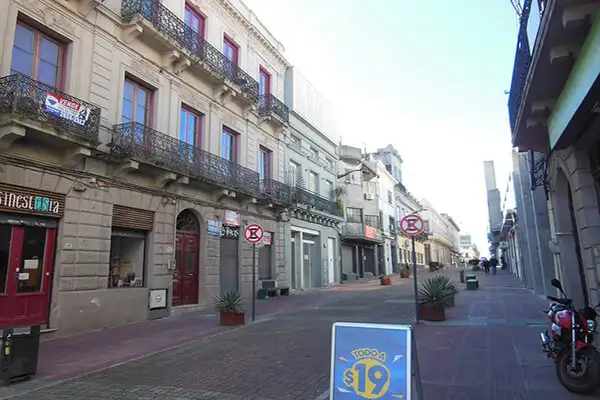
x=145, y=71
x=49, y=16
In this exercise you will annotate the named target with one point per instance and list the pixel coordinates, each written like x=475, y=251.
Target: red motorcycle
x=570, y=344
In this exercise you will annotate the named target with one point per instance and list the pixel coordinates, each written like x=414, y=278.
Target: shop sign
x=67, y=109
x=12, y=200
x=370, y=232
x=214, y=227
x=232, y=218
x=267, y=238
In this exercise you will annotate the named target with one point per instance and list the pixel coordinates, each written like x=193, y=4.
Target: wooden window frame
x=234, y=144
x=227, y=41
x=199, y=131
x=196, y=13
x=262, y=71
x=149, y=118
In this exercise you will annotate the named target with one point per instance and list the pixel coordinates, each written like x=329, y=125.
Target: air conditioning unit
x=369, y=196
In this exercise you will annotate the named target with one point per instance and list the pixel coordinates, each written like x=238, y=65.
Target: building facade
x=312, y=238
x=407, y=204
x=387, y=218
x=361, y=230
x=553, y=115
x=134, y=151
x=392, y=161
x=443, y=243
x=494, y=207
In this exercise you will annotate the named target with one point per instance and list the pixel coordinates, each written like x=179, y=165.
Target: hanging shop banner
x=67, y=109
x=370, y=232
x=370, y=361
x=214, y=227
x=229, y=232
x=231, y=218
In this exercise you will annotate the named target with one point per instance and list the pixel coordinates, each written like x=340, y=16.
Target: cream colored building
x=138, y=140
x=443, y=242
x=407, y=204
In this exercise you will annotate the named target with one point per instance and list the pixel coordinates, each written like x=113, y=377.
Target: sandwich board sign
x=373, y=361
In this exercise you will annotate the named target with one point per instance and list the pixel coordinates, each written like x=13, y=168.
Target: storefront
x=229, y=267
x=28, y=227
x=265, y=256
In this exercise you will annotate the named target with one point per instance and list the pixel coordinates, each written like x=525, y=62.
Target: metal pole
x=414, y=257
x=253, y=282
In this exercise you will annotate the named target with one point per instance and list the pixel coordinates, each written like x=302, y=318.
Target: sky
x=428, y=77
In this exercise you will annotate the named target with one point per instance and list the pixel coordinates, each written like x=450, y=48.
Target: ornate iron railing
x=312, y=199
x=154, y=147
x=276, y=192
x=21, y=95
x=269, y=104
x=166, y=22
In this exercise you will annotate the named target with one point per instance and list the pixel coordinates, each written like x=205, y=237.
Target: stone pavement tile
x=452, y=392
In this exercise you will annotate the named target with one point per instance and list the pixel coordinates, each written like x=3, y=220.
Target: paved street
x=487, y=349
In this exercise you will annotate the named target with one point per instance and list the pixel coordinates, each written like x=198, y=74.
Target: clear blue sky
x=427, y=76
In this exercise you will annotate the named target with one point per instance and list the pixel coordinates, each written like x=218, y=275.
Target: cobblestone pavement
x=487, y=349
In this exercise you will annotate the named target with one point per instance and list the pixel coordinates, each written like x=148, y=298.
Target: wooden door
x=28, y=278
x=186, y=274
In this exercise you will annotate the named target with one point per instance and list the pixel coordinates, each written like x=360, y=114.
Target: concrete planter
x=434, y=314
x=386, y=281
x=232, y=319
x=404, y=275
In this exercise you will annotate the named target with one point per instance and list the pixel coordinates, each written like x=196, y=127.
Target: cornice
x=233, y=12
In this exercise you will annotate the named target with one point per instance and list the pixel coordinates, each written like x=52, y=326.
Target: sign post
x=374, y=361
x=253, y=234
x=412, y=225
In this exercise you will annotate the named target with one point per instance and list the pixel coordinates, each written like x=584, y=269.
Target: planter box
x=435, y=314
x=232, y=319
x=404, y=276
x=386, y=282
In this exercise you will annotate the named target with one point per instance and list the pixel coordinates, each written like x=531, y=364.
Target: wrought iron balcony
x=28, y=98
x=272, y=106
x=312, y=199
x=146, y=144
x=175, y=29
x=276, y=192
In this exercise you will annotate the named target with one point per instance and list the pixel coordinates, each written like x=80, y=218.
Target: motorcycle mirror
x=556, y=283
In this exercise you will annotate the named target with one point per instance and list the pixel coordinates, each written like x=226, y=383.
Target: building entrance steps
x=489, y=347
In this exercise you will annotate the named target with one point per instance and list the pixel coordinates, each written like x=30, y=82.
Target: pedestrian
x=486, y=266
x=494, y=264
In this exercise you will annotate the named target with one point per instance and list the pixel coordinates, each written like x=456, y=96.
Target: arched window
x=187, y=221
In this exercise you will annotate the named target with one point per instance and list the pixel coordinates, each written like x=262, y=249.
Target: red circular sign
x=253, y=233
x=412, y=225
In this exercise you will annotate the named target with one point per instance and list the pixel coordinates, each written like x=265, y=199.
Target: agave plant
x=230, y=302
x=435, y=292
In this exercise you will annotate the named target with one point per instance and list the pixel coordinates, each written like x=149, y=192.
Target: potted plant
x=385, y=280
x=433, y=299
x=404, y=271
x=452, y=289
x=230, y=308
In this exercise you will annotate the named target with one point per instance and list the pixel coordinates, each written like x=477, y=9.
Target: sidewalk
x=488, y=347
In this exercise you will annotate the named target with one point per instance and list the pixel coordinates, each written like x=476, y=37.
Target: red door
x=187, y=245
x=26, y=267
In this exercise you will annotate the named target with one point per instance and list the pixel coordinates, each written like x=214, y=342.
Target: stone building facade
x=138, y=137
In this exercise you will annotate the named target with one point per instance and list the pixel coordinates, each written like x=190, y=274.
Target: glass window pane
x=128, y=92
x=21, y=61
x=5, y=233
x=182, y=122
x=140, y=114
x=32, y=260
x=191, y=128
x=187, y=17
x=142, y=98
x=24, y=38
x=125, y=119
x=47, y=73
x=49, y=51
x=127, y=109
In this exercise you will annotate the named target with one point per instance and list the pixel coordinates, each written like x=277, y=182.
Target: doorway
x=293, y=253
x=228, y=263
x=187, y=252
x=26, y=268
x=331, y=259
x=307, y=263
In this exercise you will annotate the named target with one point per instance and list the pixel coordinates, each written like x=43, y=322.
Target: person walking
x=486, y=266
x=494, y=264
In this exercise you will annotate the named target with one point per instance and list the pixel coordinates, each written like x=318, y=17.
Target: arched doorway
x=187, y=251
x=567, y=232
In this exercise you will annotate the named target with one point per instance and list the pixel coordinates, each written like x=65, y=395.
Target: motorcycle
x=570, y=343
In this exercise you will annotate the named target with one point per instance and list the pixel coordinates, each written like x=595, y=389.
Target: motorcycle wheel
x=583, y=381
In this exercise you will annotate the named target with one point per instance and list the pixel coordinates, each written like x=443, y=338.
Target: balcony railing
x=269, y=105
x=276, y=192
x=21, y=95
x=372, y=220
x=312, y=199
x=523, y=57
x=354, y=230
x=151, y=146
x=167, y=23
